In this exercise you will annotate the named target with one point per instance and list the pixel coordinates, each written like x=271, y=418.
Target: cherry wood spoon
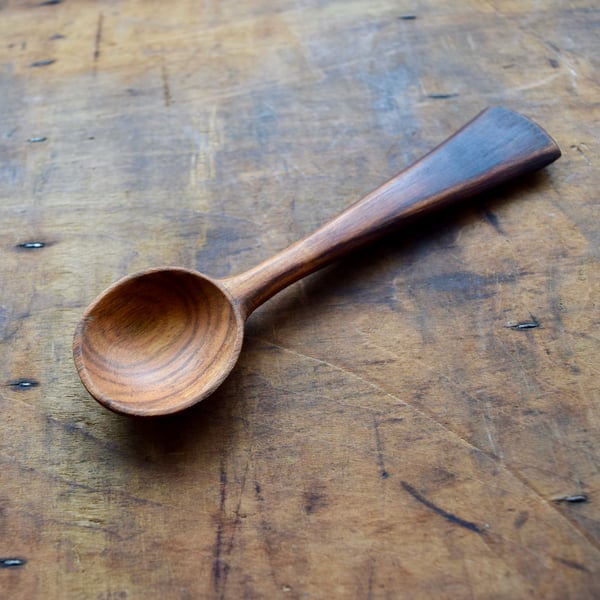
x=160, y=341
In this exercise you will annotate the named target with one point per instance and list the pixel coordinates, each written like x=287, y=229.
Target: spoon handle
x=496, y=146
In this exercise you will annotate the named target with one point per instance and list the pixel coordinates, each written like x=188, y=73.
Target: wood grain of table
x=419, y=421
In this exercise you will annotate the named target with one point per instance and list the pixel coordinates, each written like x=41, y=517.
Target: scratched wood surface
x=421, y=421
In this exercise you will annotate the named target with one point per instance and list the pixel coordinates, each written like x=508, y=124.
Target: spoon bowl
x=157, y=342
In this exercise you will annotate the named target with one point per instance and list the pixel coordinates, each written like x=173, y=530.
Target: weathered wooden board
x=406, y=424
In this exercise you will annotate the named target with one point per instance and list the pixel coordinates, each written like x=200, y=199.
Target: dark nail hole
x=11, y=563
x=573, y=499
x=43, y=63
x=532, y=324
x=23, y=384
x=442, y=96
x=31, y=245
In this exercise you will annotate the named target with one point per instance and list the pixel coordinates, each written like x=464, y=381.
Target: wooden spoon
x=159, y=341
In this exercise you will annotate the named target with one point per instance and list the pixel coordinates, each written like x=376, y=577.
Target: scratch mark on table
x=443, y=96
x=440, y=511
x=582, y=148
x=380, y=451
x=50, y=478
x=95, y=526
x=166, y=88
x=371, y=581
x=227, y=549
x=572, y=564
x=219, y=567
x=266, y=530
x=86, y=433
x=98, y=38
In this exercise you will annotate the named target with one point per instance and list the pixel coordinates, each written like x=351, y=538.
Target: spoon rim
x=155, y=408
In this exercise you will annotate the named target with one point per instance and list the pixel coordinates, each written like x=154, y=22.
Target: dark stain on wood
x=407, y=17
x=314, y=500
x=553, y=63
x=521, y=519
x=467, y=285
x=50, y=2
x=451, y=518
x=258, y=491
x=492, y=219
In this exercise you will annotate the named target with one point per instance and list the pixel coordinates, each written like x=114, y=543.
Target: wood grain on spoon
x=158, y=342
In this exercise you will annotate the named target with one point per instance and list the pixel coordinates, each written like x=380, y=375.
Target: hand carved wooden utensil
x=160, y=341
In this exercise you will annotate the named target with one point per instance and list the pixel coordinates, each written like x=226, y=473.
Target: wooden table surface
x=419, y=421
